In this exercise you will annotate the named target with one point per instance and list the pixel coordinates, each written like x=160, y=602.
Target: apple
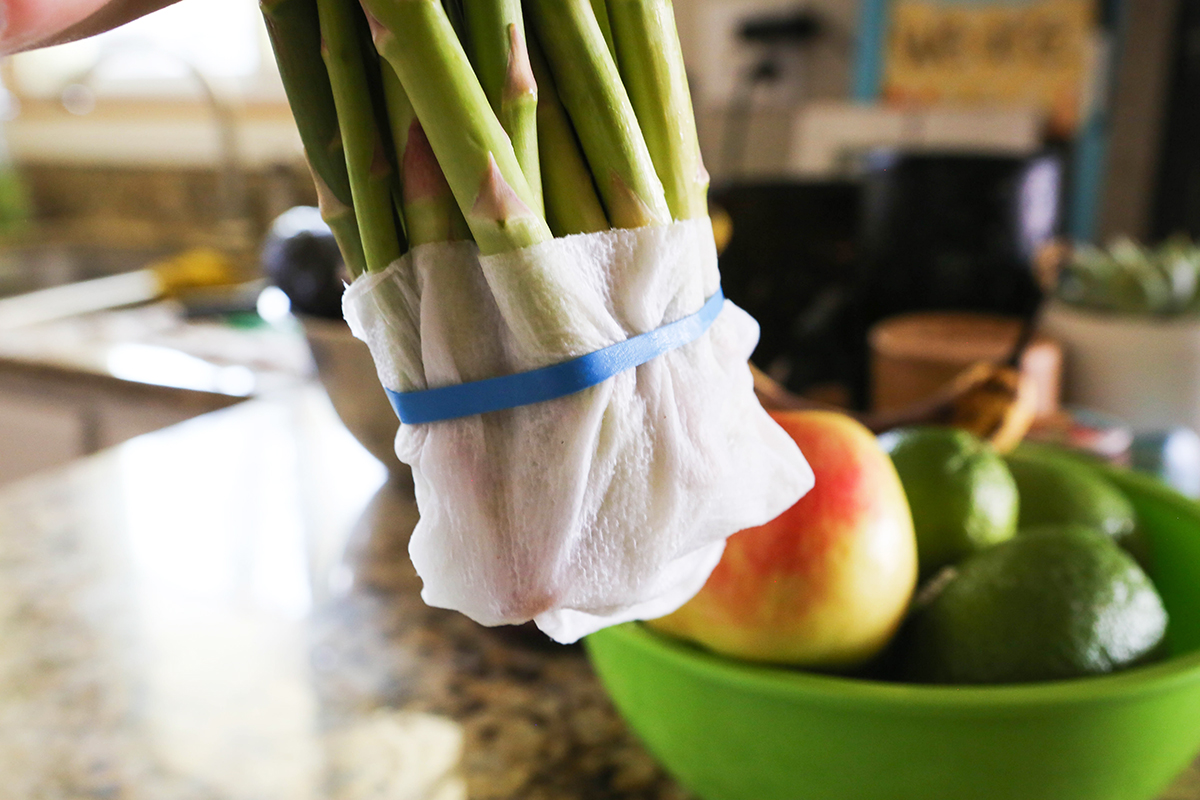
x=827, y=583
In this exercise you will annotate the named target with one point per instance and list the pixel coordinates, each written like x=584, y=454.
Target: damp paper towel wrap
x=603, y=506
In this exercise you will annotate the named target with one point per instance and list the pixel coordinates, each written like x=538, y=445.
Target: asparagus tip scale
x=497, y=201
x=429, y=207
x=629, y=208
x=336, y=146
x=380, y=164
x=377, y=28
x=379, y=31
x=342, y=223
x=327, y=201
x=423, y=178
x=519, y=79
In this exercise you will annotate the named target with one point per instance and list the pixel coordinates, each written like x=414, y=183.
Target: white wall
x=715, y=62
x=717, y=65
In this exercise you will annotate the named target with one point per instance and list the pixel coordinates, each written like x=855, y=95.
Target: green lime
x=962, y=496
x=1056, y=490
x=1054, y=603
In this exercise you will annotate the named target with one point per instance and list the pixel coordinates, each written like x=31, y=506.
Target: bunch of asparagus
x=509, y=124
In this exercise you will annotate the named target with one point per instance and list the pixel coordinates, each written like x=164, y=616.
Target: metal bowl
x=348, y=374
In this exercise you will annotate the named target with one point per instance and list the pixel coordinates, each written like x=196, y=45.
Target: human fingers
x=28, y=24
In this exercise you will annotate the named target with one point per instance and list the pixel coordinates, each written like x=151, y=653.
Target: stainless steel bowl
x=348, y=374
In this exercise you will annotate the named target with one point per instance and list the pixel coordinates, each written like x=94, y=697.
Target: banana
x=992, y=401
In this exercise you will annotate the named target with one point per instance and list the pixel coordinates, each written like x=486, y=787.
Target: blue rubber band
x=558, y=380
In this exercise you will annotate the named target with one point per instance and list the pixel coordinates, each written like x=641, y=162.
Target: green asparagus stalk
x=601, y=112
x=600, y=9
x=295, y=34
x=651, y=65
x=497, y=39
x=457, y=16
x=400, y=113
x=416, y=38
x=366, y=157
x=572, y=205
x=342, y=223
x=427, y=205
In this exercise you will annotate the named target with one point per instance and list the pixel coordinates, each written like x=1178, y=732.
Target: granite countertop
x=156, y=345
x=225, y=610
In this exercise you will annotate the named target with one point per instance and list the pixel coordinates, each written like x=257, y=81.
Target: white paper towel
x=600, y=507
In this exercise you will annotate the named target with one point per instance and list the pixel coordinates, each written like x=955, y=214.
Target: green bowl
x=734, y=731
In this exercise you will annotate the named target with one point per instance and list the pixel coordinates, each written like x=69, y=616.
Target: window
x=160, y=56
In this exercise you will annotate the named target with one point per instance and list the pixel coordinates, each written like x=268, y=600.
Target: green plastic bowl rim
x=1161, y=676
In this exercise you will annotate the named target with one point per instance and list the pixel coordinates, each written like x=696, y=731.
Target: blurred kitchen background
x=986, y=166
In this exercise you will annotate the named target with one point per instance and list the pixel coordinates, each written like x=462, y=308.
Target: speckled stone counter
x=225, y=609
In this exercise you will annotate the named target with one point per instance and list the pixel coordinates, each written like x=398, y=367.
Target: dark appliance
x=955, y=232
x=790, y=264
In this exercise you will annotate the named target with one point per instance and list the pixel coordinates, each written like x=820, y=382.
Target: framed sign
x=1039, y=53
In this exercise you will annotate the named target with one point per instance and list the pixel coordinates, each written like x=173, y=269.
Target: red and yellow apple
x=826, y=583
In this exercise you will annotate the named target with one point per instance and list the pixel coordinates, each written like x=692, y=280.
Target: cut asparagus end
x=651, y=65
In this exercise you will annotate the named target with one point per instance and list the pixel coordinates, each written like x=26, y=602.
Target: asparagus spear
x=457, y=15
x=651, y=64
x=342, y=223
x=572, y=205
x=599, y=107
x=295, y=34
x=496, y=34
x=416, y=38
x=601, y=11
x=428, y=208
x=366, y=158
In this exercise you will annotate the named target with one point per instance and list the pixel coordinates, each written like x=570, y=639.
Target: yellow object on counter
x=722, y=225
x=197, y=268
x=191, y=269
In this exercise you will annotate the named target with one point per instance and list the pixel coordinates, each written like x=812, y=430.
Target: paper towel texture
x=600, y=507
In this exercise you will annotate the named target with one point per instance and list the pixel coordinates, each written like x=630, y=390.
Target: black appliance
x=790, y=264
x=1177, y=197
x=955, y=231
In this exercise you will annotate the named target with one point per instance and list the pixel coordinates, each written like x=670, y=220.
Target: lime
x=962, y=496
x=1056, y=490
x=1053, y=603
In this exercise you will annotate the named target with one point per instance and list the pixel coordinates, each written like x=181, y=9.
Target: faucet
x=233, y=221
